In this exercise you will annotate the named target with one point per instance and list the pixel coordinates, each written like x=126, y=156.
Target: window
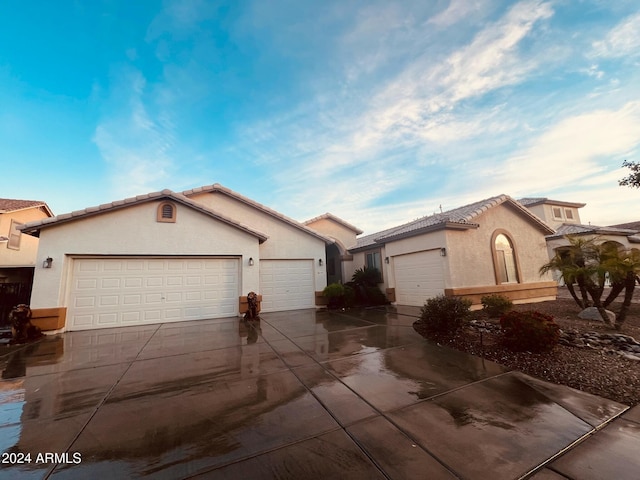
x=568, y=213
x=557, y=213
x=166, y=212
x=14, y=235
x=505, y=260
x=374, y=260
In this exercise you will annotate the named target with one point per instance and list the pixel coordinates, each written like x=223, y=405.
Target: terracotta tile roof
x=458, y=218
x=532, y=201
x=11, y=205
x=108, y=207
x=329, y=216
x=217, y=188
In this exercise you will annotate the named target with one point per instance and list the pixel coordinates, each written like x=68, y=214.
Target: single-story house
x=494, y=246
x=169, y=256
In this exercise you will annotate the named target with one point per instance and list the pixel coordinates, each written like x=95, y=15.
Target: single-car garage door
x=418, y=277
x=286, y=285
x=111, y=292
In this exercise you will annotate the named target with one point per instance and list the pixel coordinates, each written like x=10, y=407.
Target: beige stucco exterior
x=469, y=251
x=285, y=240
x=135, y=231
x=466, y=260
x=545, y=212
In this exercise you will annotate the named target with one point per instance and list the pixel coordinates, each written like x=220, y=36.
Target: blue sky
x=378, y=112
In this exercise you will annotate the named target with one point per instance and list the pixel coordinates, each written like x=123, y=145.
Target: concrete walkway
x=300, y=394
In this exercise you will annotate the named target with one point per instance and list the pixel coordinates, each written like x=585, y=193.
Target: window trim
x=160, y=213
x=568, y=214
x=553, y=213
x=494, y=255
x=15, y=235
x=372, y=252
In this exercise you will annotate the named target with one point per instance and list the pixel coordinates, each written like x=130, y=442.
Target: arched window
x=505, y=260
x=166, y=212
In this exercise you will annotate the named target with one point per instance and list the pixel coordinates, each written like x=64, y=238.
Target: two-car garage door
x=111, y=292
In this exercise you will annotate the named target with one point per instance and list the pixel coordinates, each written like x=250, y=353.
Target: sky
x=379, y=112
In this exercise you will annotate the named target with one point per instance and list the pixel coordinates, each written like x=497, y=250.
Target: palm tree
x=588, y=264
x=623, y=269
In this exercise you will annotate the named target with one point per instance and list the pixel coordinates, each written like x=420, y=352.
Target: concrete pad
x=501, y=425
x=335, y=396
x=180, y=431
x=312, y=324
x=397, y=377
x=592, y=409
x=333, y=455
x=291, y=353
x=612, y=453
x=633, y=415
x=180, y=372
x=347, y=343
x=396, y=453
x=56, y=395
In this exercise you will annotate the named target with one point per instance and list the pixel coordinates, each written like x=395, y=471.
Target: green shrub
x=531, y=331
x=335, y=294
x=375, y=296
x=496, y=305
x=444, y=315
x=368, y=277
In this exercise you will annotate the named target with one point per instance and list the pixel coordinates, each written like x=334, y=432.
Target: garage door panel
x=286, y=284
x=109, y=291
x=418, y=277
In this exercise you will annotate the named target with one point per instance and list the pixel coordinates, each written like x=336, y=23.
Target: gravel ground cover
x=593, y=368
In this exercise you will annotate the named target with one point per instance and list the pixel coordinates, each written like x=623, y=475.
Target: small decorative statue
x=252, y=311
x=21, y=327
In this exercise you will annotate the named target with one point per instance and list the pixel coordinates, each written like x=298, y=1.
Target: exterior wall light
x=320, y=261
x=251, y=261
x=386, y=260
x=443, y=252
x=47, y=263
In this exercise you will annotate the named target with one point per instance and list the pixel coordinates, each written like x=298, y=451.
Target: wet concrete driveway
x=301, y=394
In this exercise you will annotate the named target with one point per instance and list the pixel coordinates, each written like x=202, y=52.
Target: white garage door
x=418, y=277
x=112, y=292
x=286, y=285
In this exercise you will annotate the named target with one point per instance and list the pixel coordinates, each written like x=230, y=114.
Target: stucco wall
x=429, y=241
x=27, y=254
x=328, y=227
x=285, y=241
x=469, y=251
x=135, y=231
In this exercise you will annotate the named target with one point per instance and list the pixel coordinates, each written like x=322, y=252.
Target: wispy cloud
x=135, y=144
x=622, y=40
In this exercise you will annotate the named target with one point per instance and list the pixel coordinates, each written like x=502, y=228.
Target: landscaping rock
x=592, y=313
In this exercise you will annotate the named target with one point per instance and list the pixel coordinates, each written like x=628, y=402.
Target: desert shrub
x=444, y=315
x=532, y=331
x=335, y=294
x=496, y=305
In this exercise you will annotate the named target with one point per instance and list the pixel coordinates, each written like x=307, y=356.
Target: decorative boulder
x=592, y=313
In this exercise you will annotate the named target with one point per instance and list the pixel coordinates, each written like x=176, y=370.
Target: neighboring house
x=564, y=218
x=494, y=246
x=554, y=213
x=169, y=256
x=18, y=252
